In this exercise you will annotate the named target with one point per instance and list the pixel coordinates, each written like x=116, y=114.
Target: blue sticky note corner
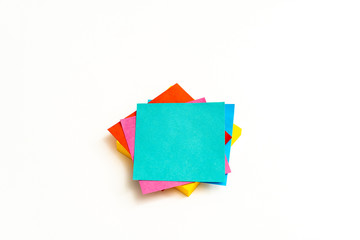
x=229, y=121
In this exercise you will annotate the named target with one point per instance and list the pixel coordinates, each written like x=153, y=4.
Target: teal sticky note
x=180, y=142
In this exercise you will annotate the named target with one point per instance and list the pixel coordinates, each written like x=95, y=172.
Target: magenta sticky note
x=227, y=166
x=128, y=125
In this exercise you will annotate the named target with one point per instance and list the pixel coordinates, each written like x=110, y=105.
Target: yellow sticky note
x=236, y=134
x=188, y=189
x=121, y=149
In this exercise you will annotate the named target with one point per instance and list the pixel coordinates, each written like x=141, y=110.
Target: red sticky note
x=227, y=137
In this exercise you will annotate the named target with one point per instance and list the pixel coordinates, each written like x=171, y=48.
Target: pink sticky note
x=129, y=126
x=227, y=166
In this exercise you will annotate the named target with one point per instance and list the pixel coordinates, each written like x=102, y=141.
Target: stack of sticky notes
x=176, y=141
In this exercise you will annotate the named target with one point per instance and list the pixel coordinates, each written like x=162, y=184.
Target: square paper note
x=180, y=142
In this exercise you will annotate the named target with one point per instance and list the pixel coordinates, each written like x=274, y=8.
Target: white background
x=70, y=69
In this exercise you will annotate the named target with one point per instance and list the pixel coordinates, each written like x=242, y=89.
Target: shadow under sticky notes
x=180, y=142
